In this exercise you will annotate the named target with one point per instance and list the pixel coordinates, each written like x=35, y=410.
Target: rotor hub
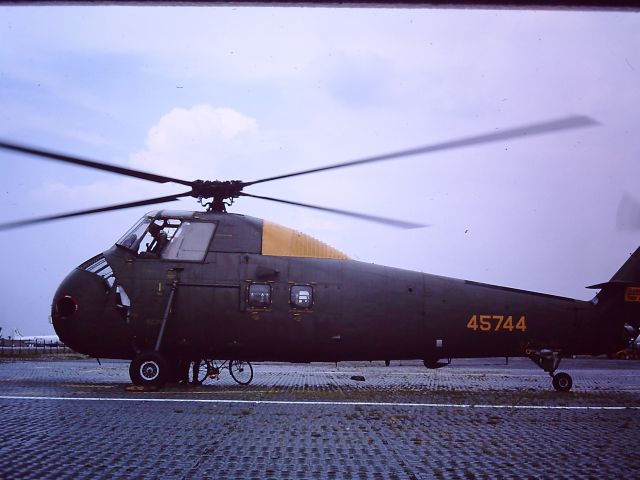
x=218, y=191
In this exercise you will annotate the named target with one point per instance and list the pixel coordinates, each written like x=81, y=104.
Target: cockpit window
x=160, y=233
x=132, y=238
x=190, y=242
x=169, y=238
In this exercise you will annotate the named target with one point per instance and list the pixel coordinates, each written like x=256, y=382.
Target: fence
x=26, y=348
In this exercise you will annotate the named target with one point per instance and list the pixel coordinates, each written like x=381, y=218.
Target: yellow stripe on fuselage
x=281, y=241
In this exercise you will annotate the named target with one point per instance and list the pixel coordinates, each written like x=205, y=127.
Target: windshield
x=131, y=239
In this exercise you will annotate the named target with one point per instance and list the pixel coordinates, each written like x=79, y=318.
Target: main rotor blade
x=90, y=163
x=363, y=216
x=576, y=121
x=151, y=201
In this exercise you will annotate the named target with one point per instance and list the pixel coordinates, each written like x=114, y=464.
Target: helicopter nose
x=77, y=308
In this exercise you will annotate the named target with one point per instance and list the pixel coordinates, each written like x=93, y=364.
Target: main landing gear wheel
x=149, y=369
x=562, y=382
x=241, y=371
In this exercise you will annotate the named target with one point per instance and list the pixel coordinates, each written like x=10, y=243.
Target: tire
x=241, y=371
x=149, y=369
x=562, y=382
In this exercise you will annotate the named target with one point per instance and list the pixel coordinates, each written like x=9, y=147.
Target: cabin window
x=190, y=241
x=301, y=296
x=259, y=295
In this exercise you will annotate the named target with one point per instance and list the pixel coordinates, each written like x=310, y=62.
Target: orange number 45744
x=494, y=323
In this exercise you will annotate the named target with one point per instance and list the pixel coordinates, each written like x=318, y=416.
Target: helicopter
x=181, y=288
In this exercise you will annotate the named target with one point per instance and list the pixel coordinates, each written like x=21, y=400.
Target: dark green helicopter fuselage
x=239, y=302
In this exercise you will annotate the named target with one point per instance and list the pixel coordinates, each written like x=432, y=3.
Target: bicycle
x=241, y=370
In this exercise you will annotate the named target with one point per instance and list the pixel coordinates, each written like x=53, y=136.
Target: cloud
x=199, y=142
x=189, y=143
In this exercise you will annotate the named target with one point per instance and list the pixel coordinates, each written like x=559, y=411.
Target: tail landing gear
x=562, y=382
x=549, y=360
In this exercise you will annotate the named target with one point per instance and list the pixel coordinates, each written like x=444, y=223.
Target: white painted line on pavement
x=321, y=403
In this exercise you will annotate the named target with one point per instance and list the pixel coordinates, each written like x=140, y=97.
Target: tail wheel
x=149, y=369
x=241, y=371
x=562, y=382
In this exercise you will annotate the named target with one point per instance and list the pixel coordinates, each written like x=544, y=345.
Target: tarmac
x=477, y=418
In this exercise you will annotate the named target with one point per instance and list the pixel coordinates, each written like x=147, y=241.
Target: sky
x=242, y=93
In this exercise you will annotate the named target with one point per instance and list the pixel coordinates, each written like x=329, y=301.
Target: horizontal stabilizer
x=617, y=283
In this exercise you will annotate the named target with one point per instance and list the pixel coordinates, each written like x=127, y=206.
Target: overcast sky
x=245, y=93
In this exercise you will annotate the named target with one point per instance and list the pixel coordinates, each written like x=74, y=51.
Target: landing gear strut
x=549, y=360
x=153, y=368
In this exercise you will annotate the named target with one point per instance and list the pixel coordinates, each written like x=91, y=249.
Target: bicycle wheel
x=199, y=371
x=241, y=371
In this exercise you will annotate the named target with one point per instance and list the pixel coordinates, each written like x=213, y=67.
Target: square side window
x=259, y=295
x=301, y=296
